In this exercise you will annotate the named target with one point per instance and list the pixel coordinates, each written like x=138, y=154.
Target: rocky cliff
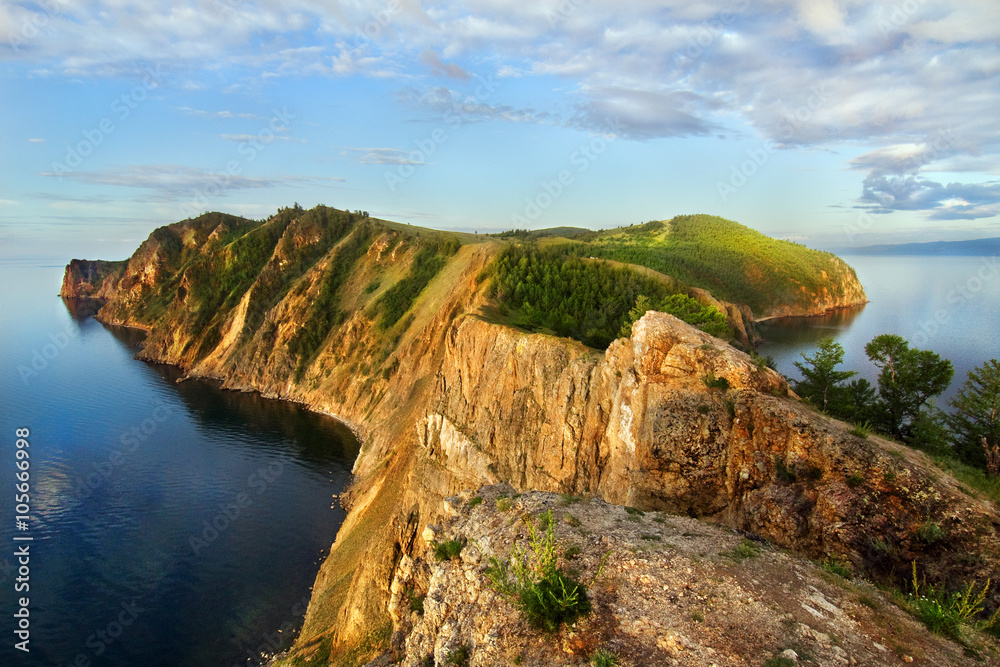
x=839, y=288
x=91, y=279
x=445, y=400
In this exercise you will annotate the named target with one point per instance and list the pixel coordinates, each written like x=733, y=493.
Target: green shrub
x=546, y=596
x=930, y=532
x=744, y=550
x=635, y=511
x=713, y=382
x=855, y=480
x=862, y=430
x=448, y=549
x=784, y=474
x=833, y=566
x=813, y=473
x=504, y=504
x=459, y=656
x=603, y=658
x=944, y=613
x=475, y=501
x=779, y=661
x=416, y=602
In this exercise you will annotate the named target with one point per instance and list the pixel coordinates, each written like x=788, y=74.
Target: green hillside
x=734, y=262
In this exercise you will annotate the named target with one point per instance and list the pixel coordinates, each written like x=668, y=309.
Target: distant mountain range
x=938, y=248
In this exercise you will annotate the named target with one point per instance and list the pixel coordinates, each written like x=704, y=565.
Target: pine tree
x=977, y=414
x=821, y=383
x=908, y=378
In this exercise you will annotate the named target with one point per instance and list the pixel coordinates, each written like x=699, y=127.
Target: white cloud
x=170, y=182
x=383, y=156
x=802, y=73
x=201, y=113
x=258, y=139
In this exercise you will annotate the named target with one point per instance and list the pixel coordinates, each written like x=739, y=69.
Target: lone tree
x=975, y=421
x=908, y=378
x=821, y=383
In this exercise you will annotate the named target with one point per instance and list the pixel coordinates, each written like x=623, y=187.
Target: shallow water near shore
x=171, y=523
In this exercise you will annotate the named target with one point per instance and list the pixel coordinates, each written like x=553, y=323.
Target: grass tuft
x=603, y=658
x=862, y=430
x=448, y=549
x=946, y=614
x=744, y=550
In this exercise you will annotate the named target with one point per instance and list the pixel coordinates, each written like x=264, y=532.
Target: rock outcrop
x=663, y=590
x=91, y=279
x=670, y=419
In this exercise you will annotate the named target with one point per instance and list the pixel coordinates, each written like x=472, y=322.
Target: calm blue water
x=172, y=524
x=947, y=304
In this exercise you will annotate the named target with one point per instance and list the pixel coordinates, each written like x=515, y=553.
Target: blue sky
x=832, y=123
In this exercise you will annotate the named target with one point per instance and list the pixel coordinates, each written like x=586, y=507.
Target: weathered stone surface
x=663, y=589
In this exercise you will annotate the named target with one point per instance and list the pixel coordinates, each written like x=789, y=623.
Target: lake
x=172, y=524
x=947, y=304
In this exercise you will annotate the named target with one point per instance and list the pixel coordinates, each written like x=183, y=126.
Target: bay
x=171, y=523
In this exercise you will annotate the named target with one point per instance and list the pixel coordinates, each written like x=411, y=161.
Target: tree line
x=900, y=404
x=593, y=302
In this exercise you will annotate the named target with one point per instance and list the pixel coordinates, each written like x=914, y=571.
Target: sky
x=832, y=123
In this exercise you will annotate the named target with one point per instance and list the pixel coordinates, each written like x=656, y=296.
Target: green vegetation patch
x=325, y=312
x=947, y=613
x=603, y=658
x=732, y=261
x=546, y=596
x=745, y=550
x=448, y=549
x=554, y=289
x=398, y=299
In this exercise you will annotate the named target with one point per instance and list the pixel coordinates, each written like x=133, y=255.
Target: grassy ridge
x=734, y=262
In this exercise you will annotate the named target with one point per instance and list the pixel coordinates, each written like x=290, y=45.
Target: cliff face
x=444, y=401
x=834, y=289
x=91, y=279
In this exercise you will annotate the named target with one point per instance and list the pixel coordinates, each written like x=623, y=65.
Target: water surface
x=947, y=304
x=173, y=524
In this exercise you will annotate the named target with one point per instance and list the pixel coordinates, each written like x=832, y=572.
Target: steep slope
x=383, y=327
